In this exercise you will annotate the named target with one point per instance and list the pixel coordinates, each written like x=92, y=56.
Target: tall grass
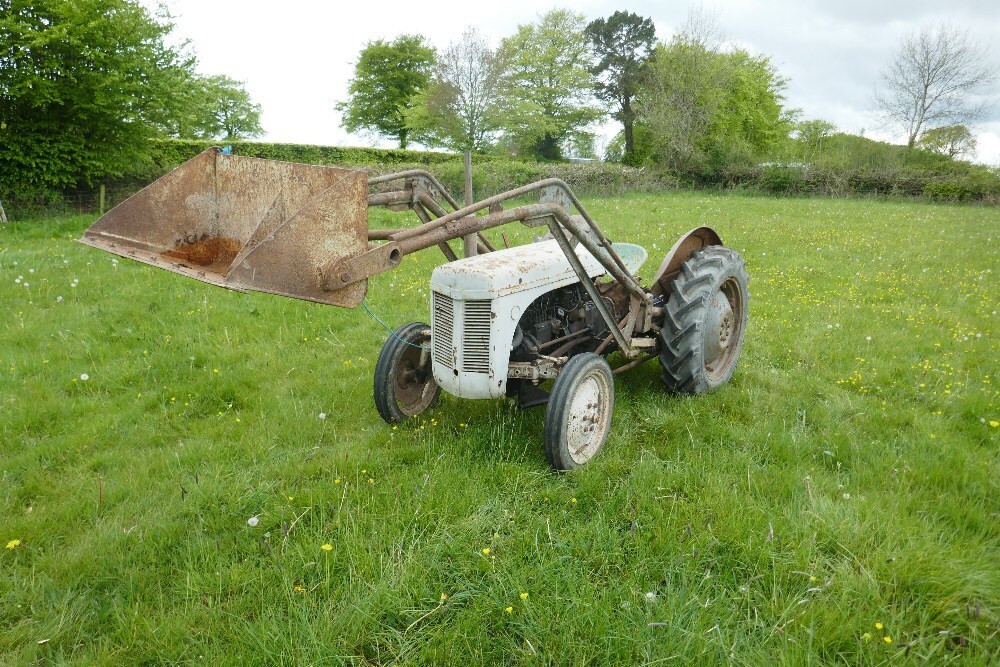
x=836, y=503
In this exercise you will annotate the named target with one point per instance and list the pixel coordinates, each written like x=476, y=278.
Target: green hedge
x=492, y=177
x=491, y=174
x=970, y=183
x=168, y=153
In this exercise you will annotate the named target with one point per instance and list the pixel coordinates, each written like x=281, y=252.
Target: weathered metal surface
x=696, y=239
x=554, y=194
x=245, y=224
x=540, y=369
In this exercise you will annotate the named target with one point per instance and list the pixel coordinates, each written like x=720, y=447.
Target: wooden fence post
x=101, y=209
x=471, y=240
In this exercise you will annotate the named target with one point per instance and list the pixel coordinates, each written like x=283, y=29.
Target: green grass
x=847, y=476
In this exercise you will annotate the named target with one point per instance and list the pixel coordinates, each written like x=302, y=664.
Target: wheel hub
x=720, y=328
x=588, y=417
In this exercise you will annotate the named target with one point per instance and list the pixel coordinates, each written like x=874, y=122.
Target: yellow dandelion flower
x=867, y=636
x=486, y=551
x=444, y=596
x=299, y=589
x=994, y=423
x=336, y=481
x=524, y=596
x=879, y=626
x=13, y=544
x=327, y=547
x=812, y=578
x=509, y=610
x=573, y=500
x=887, y=639
x=371, y=481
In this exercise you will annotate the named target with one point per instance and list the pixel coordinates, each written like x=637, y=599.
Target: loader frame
x=301, y=231
x=422, y=193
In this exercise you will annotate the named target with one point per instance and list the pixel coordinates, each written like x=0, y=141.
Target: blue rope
x=391, y=332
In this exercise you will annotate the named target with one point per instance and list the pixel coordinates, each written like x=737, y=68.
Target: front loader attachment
x=246, y=224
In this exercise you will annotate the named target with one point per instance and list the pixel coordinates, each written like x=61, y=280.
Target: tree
x=387, y=78
x=953, y=141
x=683, y=92
x=704, y=106
x=229, y=111
x=551, y=92
x=933, y=80
x=83, y=85
x=622, y=43
x=811, y=135
x=466, y=104
x=212, y=107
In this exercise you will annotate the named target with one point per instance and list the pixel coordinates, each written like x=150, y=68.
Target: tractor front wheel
x=404, y=385
x=704, y=321
x=578, y=416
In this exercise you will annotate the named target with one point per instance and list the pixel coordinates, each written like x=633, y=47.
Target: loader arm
x=301, y=230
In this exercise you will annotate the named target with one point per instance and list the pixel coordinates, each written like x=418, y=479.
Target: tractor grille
x=444, y=324
x=472, y=341
x=476, y=337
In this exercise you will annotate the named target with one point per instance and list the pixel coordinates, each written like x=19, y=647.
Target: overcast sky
x=296, y=56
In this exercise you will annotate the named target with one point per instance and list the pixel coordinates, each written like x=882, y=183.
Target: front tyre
x=578, y=417
x=704, y=321
x=403, y=386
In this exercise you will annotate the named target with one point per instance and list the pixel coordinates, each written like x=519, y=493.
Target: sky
x=296, y=57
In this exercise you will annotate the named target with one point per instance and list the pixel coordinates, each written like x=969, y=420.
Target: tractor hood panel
x=510, y=271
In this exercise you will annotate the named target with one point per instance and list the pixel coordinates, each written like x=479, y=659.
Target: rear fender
x=694, y=240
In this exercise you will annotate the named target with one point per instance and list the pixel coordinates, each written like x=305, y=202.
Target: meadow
x=190, y=475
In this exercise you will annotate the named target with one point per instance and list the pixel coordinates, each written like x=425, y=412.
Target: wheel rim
x=588, y=417
x=414, y=390
x=723, y=324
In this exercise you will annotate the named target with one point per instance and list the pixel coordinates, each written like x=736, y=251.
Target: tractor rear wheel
x=403, y=387
x=704, y=321
x=578, y=417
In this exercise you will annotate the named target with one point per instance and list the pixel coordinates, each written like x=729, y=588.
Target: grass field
x=836, y=503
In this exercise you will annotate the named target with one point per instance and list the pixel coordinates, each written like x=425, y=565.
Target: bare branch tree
x=933, y=81
x=464, y=106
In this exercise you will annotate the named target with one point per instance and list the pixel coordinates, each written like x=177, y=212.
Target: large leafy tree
x=552, y=92
x=210, y=107
x=83, y=85
x=623, y=44
x=466, y=104
x=387, y=78
x=704, y=106
x=228, y=112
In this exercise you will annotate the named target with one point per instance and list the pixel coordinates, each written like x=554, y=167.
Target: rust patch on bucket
x=206, y=251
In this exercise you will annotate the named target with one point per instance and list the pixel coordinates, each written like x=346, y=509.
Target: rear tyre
x=704, y=321
x=404, y=388
x=578, y=417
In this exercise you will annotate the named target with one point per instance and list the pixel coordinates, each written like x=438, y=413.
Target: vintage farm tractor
x=503, y=322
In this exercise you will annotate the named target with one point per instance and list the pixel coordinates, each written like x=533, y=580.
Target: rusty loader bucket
x=245, y=224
